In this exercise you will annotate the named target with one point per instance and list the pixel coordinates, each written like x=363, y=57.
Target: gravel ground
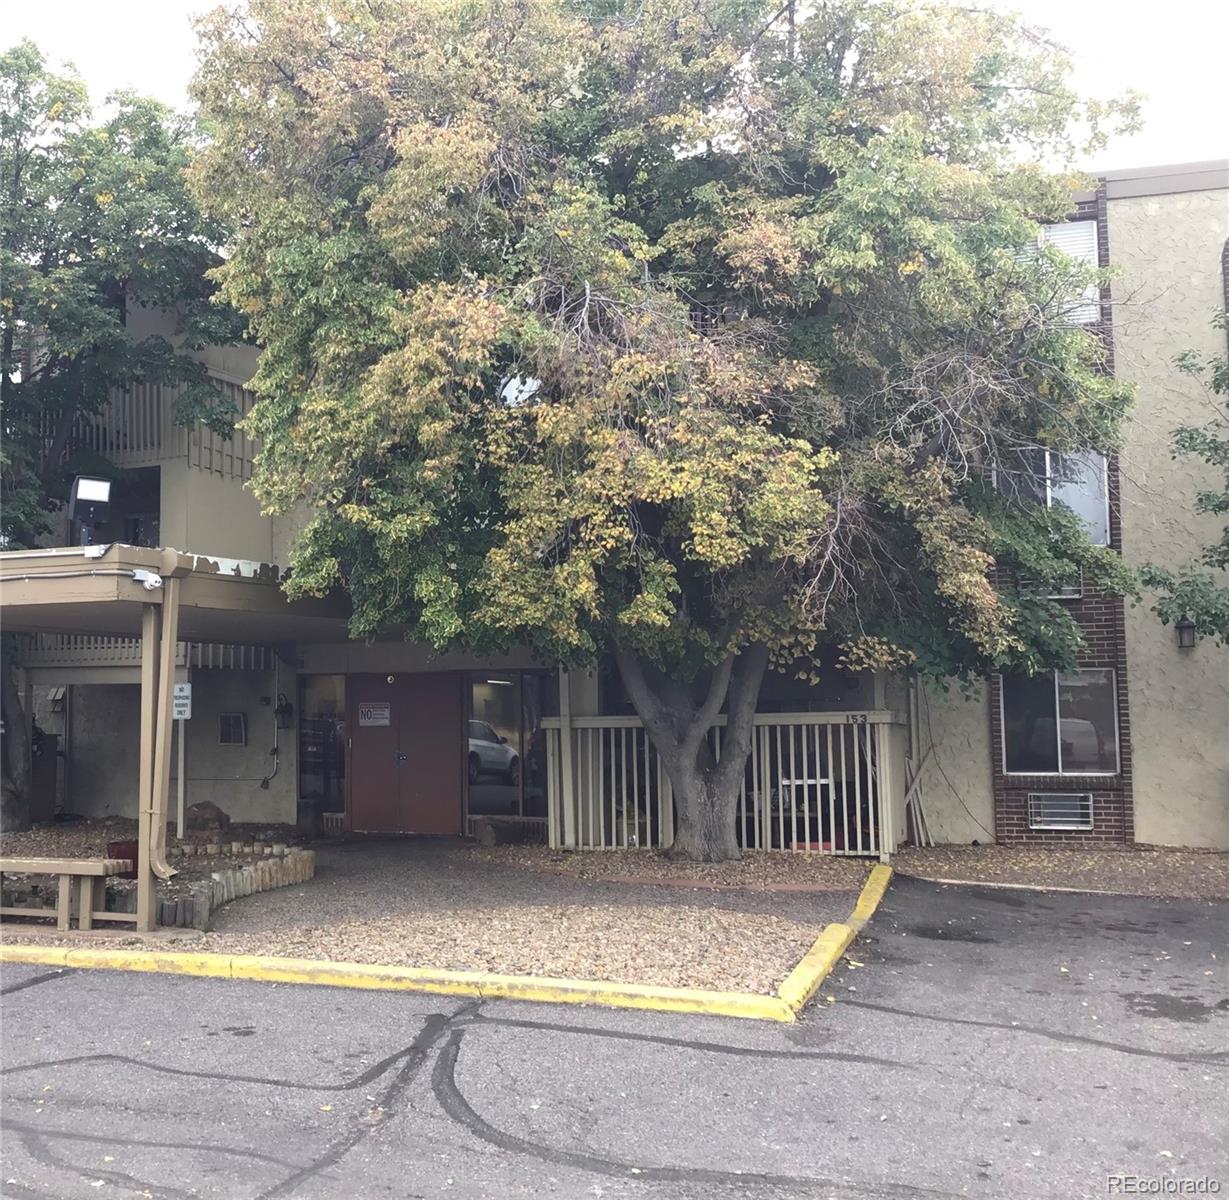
x=755, y=870
x=1124, y=871
x=443, y=904
x=690, y=946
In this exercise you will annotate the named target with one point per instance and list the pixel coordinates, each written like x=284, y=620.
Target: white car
x=490, y=754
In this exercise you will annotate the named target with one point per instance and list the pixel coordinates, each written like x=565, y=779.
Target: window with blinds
x=1078, y=240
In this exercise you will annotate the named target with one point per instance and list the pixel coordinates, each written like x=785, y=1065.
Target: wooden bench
x=82, y=885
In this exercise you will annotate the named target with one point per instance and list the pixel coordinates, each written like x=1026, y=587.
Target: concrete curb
x=410, y=979
x=816, y=965
x=797, y=989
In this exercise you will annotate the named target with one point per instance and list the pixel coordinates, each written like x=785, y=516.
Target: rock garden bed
x=212, y=867
x=520, y=910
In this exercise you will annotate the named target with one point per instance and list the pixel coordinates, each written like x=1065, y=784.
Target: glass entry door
x=506, y=748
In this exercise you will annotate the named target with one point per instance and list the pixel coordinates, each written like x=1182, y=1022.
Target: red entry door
x=405, y=753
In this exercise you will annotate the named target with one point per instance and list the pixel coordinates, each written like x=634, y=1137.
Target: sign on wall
x=375, y=712
x=181, y=702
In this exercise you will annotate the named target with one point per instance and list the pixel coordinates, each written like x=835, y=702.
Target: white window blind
x=1078, y=240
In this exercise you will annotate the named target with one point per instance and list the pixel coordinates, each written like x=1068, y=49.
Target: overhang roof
x=102, y=589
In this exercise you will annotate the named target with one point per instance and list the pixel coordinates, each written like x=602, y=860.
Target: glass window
x=494, y=752
x=1078, y=240
x=1087, y=732
x=1060, y=724
x=506, y=755
x=1029, y=741
x=1078, y=481
x=322, y=742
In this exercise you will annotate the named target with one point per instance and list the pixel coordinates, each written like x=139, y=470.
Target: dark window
x=1062, y=724
x=322, y=741
x=1076, y=481
x=232, y=729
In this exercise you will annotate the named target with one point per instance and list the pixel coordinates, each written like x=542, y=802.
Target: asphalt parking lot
x=991, y=1043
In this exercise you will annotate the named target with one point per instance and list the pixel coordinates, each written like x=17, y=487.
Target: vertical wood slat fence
x=137, y=428
x=824, y=782
x=93, y=650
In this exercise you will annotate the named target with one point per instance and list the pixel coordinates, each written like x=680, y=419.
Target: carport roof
x=102, y=589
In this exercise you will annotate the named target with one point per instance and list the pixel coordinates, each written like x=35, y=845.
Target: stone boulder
x=205, y=816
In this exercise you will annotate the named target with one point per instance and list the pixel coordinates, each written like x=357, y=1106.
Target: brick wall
x=1102, y=620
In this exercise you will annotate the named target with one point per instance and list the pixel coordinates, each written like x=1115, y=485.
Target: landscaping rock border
x=278, y=866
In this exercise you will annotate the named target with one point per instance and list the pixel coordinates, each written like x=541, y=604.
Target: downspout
x=163, y=727
x=277, y=699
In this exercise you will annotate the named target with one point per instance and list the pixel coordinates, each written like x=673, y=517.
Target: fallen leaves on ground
x=1124, y=870
x=756, y=869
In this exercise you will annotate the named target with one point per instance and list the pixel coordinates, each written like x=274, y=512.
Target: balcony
x=88, y=650
x=137, y=429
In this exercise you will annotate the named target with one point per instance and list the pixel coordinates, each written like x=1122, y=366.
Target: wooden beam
x=147, y=908
x=164, y=727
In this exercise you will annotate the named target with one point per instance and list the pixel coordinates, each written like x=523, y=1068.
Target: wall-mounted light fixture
x=89, y=503
x=1186, y=631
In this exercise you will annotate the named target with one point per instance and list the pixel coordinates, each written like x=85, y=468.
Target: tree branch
x=718, y=686
x=648, y=707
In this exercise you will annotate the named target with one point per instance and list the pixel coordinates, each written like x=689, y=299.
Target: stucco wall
x=1168, y=250
x=105, y=741
x=203, y=513
x=102, y=753
x=957, y=786
x=224, y=518
x=230, y=776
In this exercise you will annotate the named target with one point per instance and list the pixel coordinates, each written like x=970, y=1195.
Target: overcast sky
x=1175, y=53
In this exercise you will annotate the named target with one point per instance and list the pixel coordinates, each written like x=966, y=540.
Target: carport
x=159, y=596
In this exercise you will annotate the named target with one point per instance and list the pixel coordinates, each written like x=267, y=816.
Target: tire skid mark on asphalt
x=372, y=1073
x=123, y=1139
x=453, y=1102
x=35, y=1143
x=33, y=981
x=1212, y=1058
x=435, y=1027
x=686, y=1044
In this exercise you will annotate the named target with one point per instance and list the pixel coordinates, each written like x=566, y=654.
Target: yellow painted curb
x=411, y=979
x=816, y=965
x=800, y=985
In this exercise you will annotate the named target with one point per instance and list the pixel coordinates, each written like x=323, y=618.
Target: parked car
x=490, y=754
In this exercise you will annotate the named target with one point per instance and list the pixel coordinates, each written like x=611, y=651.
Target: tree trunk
x=705, y=790
x=15, y=777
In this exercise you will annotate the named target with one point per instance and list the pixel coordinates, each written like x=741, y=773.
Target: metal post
x=181, y=787
x=568, y=789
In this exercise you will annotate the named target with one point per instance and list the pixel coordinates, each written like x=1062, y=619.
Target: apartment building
x=1131, y=747
x=292, y=721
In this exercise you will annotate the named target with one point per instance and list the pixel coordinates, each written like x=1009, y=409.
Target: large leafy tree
x=690, y=332
x=95, y=218
x=1199, y=591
